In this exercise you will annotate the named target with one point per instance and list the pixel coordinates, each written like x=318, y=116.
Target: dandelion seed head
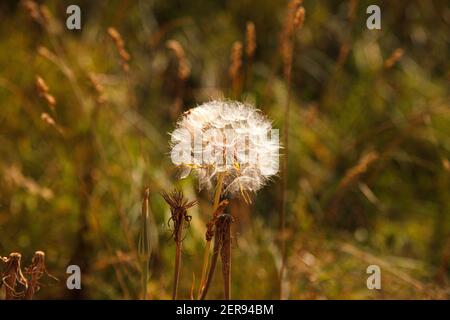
x=229, y=138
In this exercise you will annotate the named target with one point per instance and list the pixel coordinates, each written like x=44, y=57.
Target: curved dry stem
x=212, y=267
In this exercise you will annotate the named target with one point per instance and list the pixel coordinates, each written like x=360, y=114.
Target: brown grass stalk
x=120, y=47
x=294, y=21
x=183, y=73
x=44, y=93
x=234, y=70
x=212, y=266
x=250, y=48
x=144, y=243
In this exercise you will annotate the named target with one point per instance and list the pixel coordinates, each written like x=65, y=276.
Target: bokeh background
x=368, y=176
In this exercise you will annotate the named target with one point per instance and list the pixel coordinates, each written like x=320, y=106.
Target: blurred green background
x=369, y=171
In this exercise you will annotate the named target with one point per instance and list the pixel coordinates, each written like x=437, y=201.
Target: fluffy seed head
x=228, y=138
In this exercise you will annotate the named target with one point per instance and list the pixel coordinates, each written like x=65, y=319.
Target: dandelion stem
x=217, y=193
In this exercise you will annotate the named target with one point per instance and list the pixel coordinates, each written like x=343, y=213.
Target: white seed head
x=229, y=138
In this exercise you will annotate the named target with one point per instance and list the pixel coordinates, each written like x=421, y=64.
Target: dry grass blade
x=120, y=46
x=44, y=92
x=144, y=249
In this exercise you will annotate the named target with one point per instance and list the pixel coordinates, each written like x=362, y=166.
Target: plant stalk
x=226, y=258
x=212, y=267
x=217, y=193
x=144, y=245
x=176, y=277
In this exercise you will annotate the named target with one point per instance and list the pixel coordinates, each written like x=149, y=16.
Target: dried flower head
x=35, y=272
x=178, y=209
x=230, y=139
x=12, y=276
